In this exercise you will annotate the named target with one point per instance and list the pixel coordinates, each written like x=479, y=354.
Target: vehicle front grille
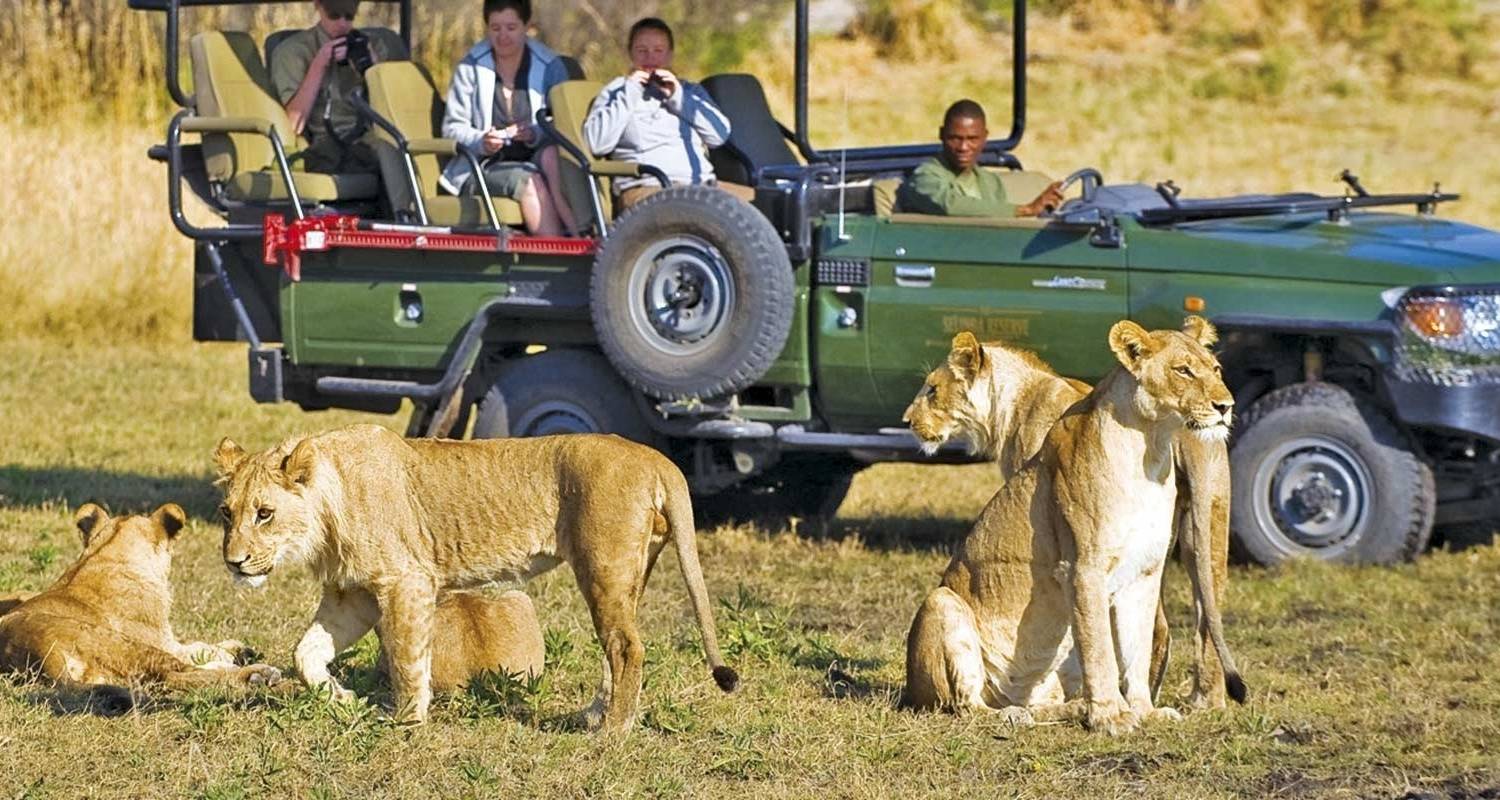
x=843, y=272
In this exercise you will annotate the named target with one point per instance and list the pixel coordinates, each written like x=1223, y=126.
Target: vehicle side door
x=1040, y=285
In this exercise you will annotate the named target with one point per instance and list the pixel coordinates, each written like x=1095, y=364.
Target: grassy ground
x=1364, y=682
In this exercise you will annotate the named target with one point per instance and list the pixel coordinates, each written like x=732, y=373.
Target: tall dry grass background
x=1225, y=96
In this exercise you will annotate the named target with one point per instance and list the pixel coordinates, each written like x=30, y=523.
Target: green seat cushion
x=265, y=186
x=469, y=211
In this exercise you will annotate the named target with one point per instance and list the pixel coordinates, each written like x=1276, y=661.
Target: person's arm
x=298, y=78
x=610, y=116
x=1050, y=199
x=693, y=103
x=458, y=117
x=932, y=191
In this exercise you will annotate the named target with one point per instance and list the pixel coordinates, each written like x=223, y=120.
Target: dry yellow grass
x=86, y=244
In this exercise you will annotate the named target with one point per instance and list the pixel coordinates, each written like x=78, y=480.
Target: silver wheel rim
x=1312, y=497
x=555, y=417
x=681, y=292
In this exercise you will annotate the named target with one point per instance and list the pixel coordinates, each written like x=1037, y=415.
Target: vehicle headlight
x=1449, y=335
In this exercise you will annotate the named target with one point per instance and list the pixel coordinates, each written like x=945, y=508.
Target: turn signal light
x=1436, y=317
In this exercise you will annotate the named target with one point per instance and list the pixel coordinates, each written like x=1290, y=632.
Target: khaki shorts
x=636, y=194
x=506, y=178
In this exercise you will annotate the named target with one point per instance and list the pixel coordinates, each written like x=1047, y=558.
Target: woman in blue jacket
x=492, y=102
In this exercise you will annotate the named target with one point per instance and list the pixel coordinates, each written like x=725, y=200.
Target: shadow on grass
x=922, y=534
x=119, y=492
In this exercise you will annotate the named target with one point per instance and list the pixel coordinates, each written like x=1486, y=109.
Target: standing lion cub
x=389, y=524
x=107, y=619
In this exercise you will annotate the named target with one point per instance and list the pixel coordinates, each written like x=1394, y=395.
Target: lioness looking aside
x=107, y=619
x=389, y=523
x=1005, y=401
x=1062, y=571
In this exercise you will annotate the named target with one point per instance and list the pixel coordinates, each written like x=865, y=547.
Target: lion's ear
x=1201, y=330
x=171, y=518
x=88, y=519
x=967, y=356
x=227, y=457
x=298, y=465
x=1131, y=343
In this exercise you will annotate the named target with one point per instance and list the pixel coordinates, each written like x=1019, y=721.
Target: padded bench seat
x=267, y=186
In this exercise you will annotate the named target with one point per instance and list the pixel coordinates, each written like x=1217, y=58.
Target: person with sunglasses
x=315, y=71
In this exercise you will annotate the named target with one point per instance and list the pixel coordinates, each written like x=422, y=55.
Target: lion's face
x=954, y=400
x=140, y=544
x=1177, y=375
x=268, y=517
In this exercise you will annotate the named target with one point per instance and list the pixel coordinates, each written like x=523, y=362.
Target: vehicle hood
x=1368, y=248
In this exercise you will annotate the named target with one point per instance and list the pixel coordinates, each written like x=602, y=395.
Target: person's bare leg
x=552, y=174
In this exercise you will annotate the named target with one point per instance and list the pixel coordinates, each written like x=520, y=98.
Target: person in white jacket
x=651, y=116
x=492, y=102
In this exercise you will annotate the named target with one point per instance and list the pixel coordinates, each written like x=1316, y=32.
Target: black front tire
x=1320, y=474
x=692, y=294
x=557, y=392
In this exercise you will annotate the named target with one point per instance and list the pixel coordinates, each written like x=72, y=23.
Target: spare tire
x=692, y=294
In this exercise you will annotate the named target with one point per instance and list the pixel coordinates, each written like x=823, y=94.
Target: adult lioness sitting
x=389, y=523
x=107, y=619
x=1004, y=402
x=1061, y=572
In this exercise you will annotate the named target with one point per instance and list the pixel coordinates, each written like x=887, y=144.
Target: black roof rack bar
x=1188, y=210
x=911, y=153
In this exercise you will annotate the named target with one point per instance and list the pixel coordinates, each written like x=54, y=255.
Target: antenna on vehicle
x=843, y=167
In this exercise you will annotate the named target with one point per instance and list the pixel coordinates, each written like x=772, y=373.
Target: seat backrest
x=1022, y=186
x=403, y=93
x=229, y=80
x=572, y=68
x=755, y=139
x=569, y=102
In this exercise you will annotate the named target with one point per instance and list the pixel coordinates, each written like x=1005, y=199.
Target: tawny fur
x=390, y=524
x=107, y=619
x=1059, y=580
x=474, y=633
x=1004, y=401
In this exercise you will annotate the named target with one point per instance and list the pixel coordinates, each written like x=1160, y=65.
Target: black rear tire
x=557, y=392
x=692, y=294
x=1319, y=474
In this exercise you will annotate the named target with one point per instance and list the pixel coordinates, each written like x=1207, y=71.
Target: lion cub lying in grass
x=1061, y=574
x=107, y=620
x=391, y=524
x=1005, y=401
x=475, y=633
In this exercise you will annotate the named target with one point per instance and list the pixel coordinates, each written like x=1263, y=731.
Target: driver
x=953, y=184
x=314, y=76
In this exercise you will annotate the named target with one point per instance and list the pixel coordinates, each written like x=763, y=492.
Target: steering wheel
x=1090, y=178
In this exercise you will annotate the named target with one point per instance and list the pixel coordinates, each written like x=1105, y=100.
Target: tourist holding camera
x=650, y=116
x=492, y=102
x=314, y=72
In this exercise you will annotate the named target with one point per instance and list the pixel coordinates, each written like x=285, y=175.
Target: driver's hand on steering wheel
x=1047, y=202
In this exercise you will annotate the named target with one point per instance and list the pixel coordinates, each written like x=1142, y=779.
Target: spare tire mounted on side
x=691, y=294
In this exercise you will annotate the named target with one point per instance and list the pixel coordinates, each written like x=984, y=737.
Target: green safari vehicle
x=771, y=348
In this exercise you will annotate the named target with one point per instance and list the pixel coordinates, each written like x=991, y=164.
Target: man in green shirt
x=314, y=76
x=953, y=184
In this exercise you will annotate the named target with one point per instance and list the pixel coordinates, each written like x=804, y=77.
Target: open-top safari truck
x=771, y=349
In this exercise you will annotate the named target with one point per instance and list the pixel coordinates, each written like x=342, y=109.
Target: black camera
x=657, y=86
x=357, y=51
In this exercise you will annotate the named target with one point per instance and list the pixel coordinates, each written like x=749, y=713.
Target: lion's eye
x=263, y=514
x=1184, y=371
x=224, y=512
x=931, y=390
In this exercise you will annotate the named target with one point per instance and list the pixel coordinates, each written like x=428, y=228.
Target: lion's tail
x=1200, y=540
x=678, y=508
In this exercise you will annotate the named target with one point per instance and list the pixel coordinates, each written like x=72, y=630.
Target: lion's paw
x=260, y=675
x=1164, y=714
x=1019, y=716
x=1113, y=720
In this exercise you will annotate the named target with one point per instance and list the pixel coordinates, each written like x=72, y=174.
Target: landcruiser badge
x=1074, y=282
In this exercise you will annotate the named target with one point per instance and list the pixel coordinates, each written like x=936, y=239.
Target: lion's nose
x=1223, y=408
x=236, y=565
